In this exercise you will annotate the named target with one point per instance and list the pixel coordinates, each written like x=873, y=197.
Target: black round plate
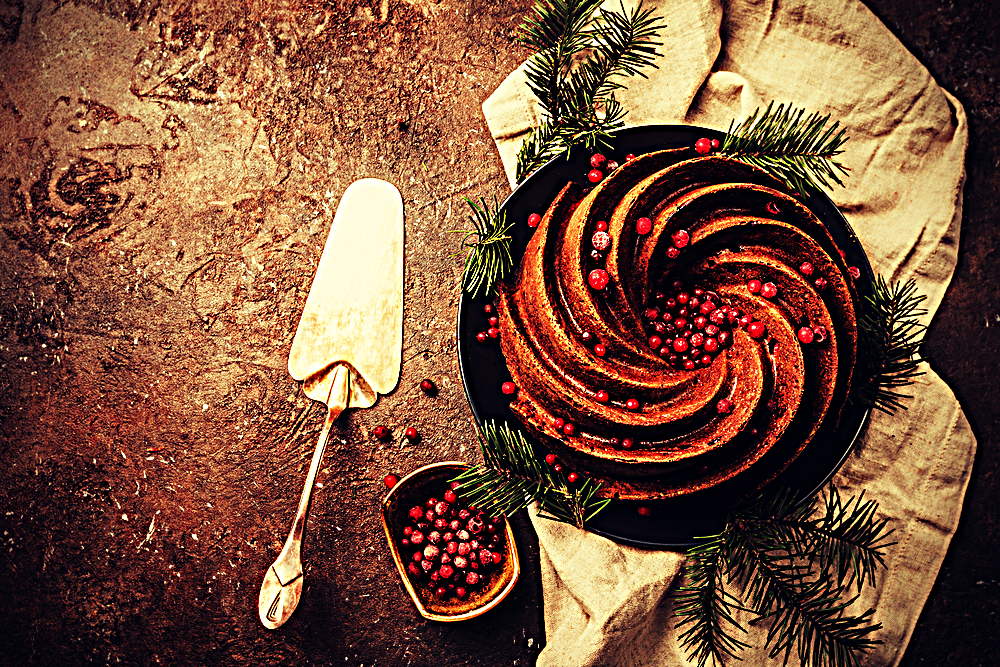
x=674, y=523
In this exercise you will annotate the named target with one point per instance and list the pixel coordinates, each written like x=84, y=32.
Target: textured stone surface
x=166, y=175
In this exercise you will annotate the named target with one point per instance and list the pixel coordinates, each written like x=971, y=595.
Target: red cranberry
x=854, y=271
x=440, y=523
x=806, y=335
x=745, y=321
x=460, y=592
x=462, y=535
x=711, y=345
x=654, y=342
x=596, y=160
x=705, y=360
x=508, y=387
x=772, y=208
x=820, y=283
x=481, y=336
x=441, y=508
x=428, y=387
x=534, y=219
x=587, y=337
x=706, y=308
x=382, y=433
x=717, y=316
x=599, y=350
x=558, y=422
x=413, y=569
x=757, y=329
x=598, y=279
x=411, y=434
x=456, y=524
x=627, y=443
x=703, y=146
x=612, y=166
x=461, y=562
x=494, y=322
x=426, y=565
x=680, y=238
x=644, y=511
x=697, y=339
x=711, y=330
x=492, y=332
x=557, y=467
x=408, y=530
x=600, y=241
x=405, y=542
x=715, y=143
x=680, y=345
x=769, y=290
x=629, y=157
x=445, y=571
x=724, y=406
x=673, y=252
x=700, y=322
x=595, y=175
x=429, y=515
x=431, y=552
x=681, y=323
x=643, y=225
x=572, y=477
x=819, y=334
x=806, y=269
x=417, y=513
x=449, y=496
x=451, y=547
x=601, y=226
x=476, y=525
x=632, y=404
x=390, y=481
x=497, y=557
x=416, y=538
x=472, y=578
x=550, y=459
x=569, y=428
x=754, y=286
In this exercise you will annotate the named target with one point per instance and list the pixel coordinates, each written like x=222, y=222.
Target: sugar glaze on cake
x=673, y=247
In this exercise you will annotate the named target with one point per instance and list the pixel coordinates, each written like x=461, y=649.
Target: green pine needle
x=580, y=52
x=889, y=338
x=789, y=145
x=513, y=476
x=488, y=259
x=795, y=567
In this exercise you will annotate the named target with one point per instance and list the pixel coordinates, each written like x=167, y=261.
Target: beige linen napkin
x=607, y=604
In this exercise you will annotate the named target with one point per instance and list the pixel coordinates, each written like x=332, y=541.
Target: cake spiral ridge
x=686, y=321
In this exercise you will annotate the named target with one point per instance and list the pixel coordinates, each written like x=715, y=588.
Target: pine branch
x=707, y=607
x=889, y=338
x=799, y=150
x=488, y=259
x=512, y=477
x=578, y=101
x=796, y=569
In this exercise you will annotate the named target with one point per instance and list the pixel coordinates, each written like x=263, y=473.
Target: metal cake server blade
x=347, y=349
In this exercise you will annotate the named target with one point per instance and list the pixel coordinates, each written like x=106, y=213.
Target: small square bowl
x=414, y=489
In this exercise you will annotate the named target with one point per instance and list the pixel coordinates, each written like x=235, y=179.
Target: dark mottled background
x=167, y=171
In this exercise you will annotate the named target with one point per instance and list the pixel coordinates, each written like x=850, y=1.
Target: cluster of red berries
x=493, y=330
x=690, y=329
x=599, y=166
x=551, y=459
x=704, y=146
x=450, y=548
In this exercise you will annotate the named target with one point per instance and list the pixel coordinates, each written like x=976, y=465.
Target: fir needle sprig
x=795, y=567
x=788, y=144
x=487, y=244
x=889, y=338
x=581, y=51
x=512, y=477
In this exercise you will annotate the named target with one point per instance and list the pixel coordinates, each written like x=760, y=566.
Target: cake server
x=347, y=349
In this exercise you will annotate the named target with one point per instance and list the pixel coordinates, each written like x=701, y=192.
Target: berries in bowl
x=456, y=562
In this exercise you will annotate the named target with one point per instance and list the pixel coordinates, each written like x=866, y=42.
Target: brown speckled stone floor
x=165, y=170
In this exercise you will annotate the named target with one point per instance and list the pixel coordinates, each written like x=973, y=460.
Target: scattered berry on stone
x=629, y=157
x=382, y=433
x=428, y=387
x=411, y=434
x=494, y=321
x=390, y=481
x=558, y=422
x=611, y=166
